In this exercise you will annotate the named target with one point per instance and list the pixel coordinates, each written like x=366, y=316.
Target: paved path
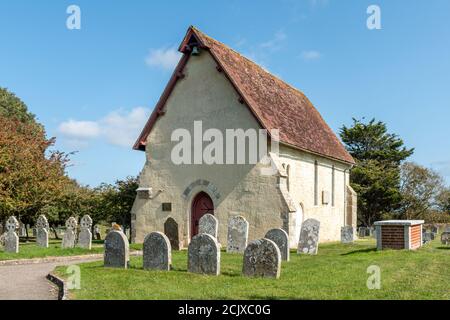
x=28, y=282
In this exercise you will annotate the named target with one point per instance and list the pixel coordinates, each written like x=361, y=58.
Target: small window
x=167, y=207
x=288, y=177
x=332, y=185
x=316, y=183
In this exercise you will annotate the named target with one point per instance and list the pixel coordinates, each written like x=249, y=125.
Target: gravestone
x=97, y=233
x=172, y=232
x=445, y=238
x=347, y=234
x=237, y=234
x=85, y=236
x=157, y=252
x=309, y=237
x=447, y=228
x=42, y=228
x=435, y=230
x=69, y=237
x=281, y=239
x=11, y=237
x=208, y=224
x=22, y=230
x=427, y=237
x=262, y=258
x=116, y=250
x=204, y=255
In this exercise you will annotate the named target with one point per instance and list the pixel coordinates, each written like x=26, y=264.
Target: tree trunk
x=55, y=233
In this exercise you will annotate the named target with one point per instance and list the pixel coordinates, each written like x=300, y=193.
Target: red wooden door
x=201, y=205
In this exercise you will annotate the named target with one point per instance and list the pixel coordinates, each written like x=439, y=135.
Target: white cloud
x=165, y=58
x=275, y=42
x=311, y=55
x=120, y=128
x=79, y=129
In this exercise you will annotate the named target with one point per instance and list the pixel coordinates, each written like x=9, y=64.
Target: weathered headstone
x=208, y=224
x=204, y=255
x=427, y=237
x=361, y=232
x=172, y=232
x=309, y=237
x=347, y=234
x=69, y=237
x=116, y=250
x=42, y=228
x=435, y=230
x=157, y=252
x=237, y=234
x=445, y=238
x=11, y=238
x=97, y=233
x=262, y=258
x=85, y=236
x=281, y=239
x=447, y=228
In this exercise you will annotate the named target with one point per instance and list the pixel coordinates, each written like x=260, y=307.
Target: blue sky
x=94, y=88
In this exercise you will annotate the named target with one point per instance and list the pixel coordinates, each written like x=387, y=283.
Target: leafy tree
x=443, y=200
x=118, y=200
x=31, y=176
x=12, y=107
x=376, y=177
x=420, y=189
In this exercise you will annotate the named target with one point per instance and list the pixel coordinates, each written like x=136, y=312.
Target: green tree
x=420, y=188
x=118, y=200
x=376, y=177
x=12, y=107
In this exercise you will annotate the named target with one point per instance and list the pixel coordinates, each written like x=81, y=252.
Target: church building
x=214, y=89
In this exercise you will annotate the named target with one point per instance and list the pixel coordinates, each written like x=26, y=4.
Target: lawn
x=337, y=272
x=31, y=250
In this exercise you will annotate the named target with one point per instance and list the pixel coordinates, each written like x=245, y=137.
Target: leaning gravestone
x=237, y=234
x=69, y=237
x=281, y=239
x=208, y=224
x=42, y=228
x=116, y=250
x=157, y=252
x=172, y=232
x=445, y=238
x=347, y=234
x=262, y=258
x=85, y=236
x=11, y=238
x=309, y=237
x=204, y=255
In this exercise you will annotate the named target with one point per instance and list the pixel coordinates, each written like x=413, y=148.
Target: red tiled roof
x=275, y=104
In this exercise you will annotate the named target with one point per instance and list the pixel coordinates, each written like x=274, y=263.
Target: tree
x=118, y=200
x=376, y=177
x=31, y=175
x=443, y=201
x=12, y=107
x=420, y=189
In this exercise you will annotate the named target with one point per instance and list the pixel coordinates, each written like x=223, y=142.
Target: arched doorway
x=201, y=205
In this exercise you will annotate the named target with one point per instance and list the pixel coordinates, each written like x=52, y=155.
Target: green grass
x=31, y=250
x=337, y=272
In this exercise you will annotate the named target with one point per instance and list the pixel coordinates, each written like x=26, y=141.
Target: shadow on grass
x=359, y=251
x=443, y=248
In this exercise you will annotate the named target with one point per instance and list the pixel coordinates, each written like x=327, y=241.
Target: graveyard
x=338, y=271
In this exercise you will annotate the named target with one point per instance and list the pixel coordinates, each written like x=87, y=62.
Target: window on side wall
x=316, y=183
